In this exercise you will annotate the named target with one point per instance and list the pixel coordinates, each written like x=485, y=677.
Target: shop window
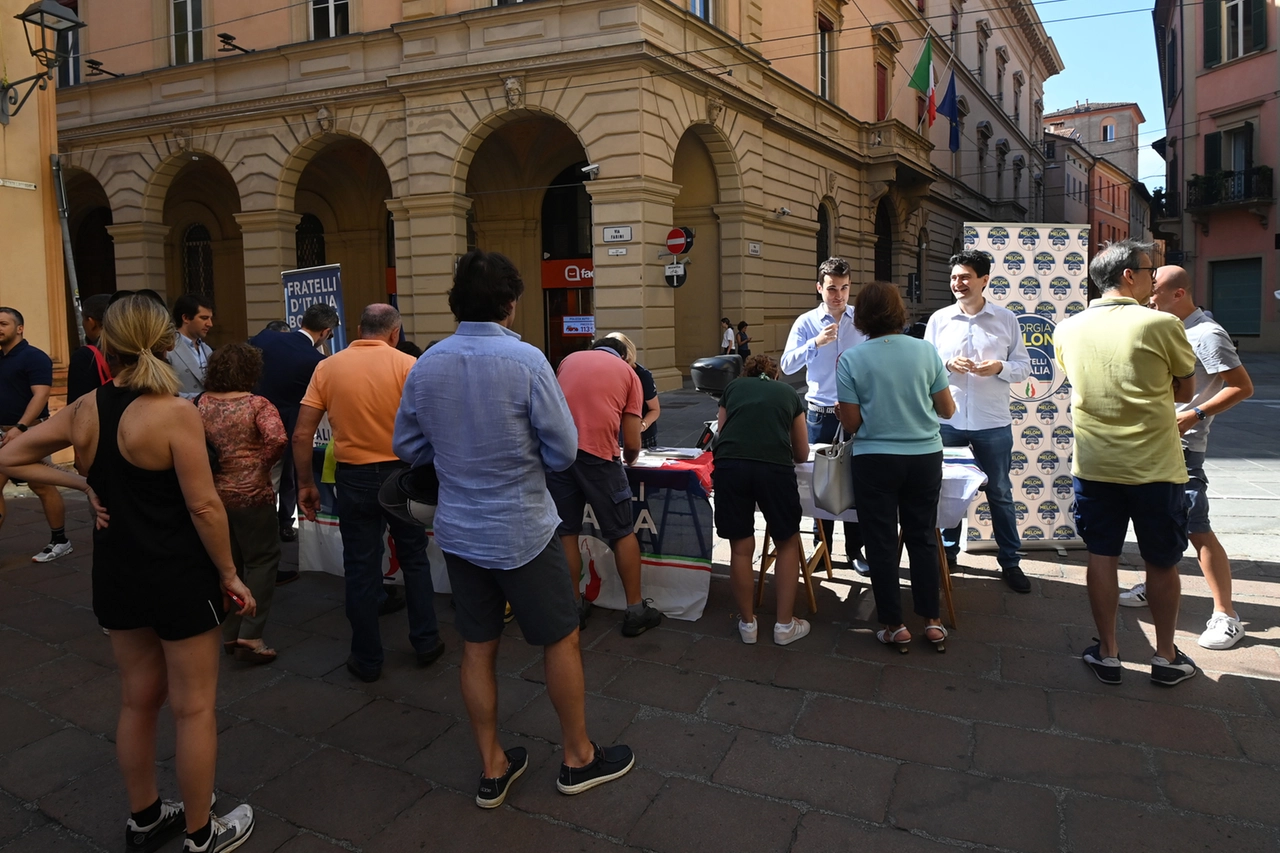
x=187, y=25
x=330, y=18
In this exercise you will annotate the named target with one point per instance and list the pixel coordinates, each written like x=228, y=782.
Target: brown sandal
x=255, y=655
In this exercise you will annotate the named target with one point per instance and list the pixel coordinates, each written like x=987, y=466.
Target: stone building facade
x=571, y=135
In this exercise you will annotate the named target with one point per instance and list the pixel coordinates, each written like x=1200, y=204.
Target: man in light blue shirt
x=816, y=341
x=981, y=345
x=487, y=411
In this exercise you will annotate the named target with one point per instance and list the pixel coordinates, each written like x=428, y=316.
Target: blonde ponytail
x=138, y=331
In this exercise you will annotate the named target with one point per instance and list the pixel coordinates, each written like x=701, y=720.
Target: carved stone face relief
x=324, y=119
x=514, y=88
x=715, y=108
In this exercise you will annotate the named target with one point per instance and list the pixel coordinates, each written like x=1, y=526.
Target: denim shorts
x=1197, y=493
x=600, y=482
x=1158, y=511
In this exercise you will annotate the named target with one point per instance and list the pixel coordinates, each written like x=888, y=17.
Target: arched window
x=884, y=242
x=824, y=234
x=197, y=260
x=310, y=242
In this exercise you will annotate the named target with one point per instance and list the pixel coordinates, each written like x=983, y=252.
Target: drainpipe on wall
x=60, y=191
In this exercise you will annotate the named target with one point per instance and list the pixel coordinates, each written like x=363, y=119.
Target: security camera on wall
x=591, y=170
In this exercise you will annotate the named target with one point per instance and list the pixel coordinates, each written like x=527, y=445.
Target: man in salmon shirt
x=604, y=395
x=360, y=389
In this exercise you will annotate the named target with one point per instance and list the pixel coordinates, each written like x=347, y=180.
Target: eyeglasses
x=1148, y=269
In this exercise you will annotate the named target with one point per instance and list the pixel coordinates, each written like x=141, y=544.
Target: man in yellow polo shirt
x=1128, y=365
x=360, y=388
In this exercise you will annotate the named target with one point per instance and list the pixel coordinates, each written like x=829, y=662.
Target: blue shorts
x=1158, y=512
x=1197, y=493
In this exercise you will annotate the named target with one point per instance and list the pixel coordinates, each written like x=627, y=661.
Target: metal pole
x=73, y=286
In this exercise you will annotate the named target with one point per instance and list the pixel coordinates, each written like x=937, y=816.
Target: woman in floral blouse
x=248, y=437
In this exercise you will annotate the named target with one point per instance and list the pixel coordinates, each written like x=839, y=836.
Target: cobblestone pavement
x=1005, y=742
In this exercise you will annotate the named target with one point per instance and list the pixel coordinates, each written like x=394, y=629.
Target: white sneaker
x=1136, y=597
x=1221, y=632
x=229, y=832
x=53, y=552
x=789, y=633
x=749, y=631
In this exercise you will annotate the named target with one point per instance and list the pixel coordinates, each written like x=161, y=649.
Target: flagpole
x=945, y=69
x=928, y=28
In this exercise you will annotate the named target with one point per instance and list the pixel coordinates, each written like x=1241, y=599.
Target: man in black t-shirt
x=26, y=378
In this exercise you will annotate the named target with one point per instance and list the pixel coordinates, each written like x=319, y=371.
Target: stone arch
x=89, y=215
x=162, y=177
x=304, y=151
x=723, y=158
x=490, y=124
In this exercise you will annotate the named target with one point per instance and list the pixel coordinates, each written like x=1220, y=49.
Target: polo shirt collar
x=1113, y=300
x=484, y=330
x=20, y=345
x=1195, y=317
x=365, y=342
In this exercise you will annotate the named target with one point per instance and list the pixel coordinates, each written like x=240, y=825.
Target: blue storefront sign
x=304, y=287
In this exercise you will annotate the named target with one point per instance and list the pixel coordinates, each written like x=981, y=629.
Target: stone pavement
x=1006, y=742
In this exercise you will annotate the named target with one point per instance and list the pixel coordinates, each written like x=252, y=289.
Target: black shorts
x=1158, y=511
x=177, y=601
x=540, y=593
x=599, y=482
x=743, y=484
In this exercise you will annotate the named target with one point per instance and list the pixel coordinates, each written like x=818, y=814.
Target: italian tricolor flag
x=922, y=80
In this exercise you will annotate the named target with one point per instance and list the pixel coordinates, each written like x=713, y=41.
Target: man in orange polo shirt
x=360, y=389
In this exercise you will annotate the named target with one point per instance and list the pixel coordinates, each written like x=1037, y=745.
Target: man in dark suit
x=288, y=360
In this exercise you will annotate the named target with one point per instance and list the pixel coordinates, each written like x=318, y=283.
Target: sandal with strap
x=891, y=638
x=256, y=655
x=940, y=643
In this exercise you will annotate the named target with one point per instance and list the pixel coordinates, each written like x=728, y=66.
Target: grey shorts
x=1197, y=493
x=599, y=482
x=540, y=593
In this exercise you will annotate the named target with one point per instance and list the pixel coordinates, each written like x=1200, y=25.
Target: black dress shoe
x=288, y=534
x=365, y=675
x=1015, y=579
x=394, y=601
x=431, y=655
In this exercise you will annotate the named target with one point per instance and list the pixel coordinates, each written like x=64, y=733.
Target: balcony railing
x=1242, y=186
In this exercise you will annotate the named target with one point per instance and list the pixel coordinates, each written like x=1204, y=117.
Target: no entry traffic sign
x=679, y=241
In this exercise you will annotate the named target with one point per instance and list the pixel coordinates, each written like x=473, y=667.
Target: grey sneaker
x=633, y=625
x=1170, y=672
x=53, y=552
x=229, y=832
x=1108, y=670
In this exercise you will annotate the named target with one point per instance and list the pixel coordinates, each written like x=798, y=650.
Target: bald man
x=1221, y=382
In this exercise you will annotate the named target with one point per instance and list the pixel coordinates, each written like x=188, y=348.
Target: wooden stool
x=944, y=573
x=822, y=552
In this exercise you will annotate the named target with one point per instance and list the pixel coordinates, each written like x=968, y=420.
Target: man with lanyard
x=193, y=317
x=981, y=345
x=26, y=378
x=817, y=339
x=1221, y=382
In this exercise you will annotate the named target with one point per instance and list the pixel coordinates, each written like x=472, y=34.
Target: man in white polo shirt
x=981, y=345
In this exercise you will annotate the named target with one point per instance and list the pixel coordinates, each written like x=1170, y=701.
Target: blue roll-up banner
x=304, y=287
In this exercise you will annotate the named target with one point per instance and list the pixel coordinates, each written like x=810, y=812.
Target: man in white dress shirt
x=817, y=339
x=981, y=345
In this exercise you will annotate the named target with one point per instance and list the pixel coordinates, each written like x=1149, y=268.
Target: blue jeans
x=363, y=524
x=992, y=449
x=822, y=430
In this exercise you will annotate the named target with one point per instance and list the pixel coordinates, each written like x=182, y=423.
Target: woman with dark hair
x=249, y=437
x=892, y=390
x=744, y=341
x=762, y=435
x=728, y=340
x=163, y=577
x=651, y=408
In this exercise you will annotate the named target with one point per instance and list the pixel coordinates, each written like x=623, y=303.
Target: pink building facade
x=1217, y=213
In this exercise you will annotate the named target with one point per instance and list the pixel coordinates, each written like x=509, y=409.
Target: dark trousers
x=363, y=524
x=288, y=476
x=890, y=490
x=822, y=430
x=992, y=450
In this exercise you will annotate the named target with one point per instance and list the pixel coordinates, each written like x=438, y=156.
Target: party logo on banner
x=1029, y=287
x=1017, y=307
x=998, y=237
x=1074, y=262
x=1060, y=288
x=999, y=287
x=1046, y=310
x=1064, y=487
x=970, y=236
x=1014, y=262
x=1047, y=412
x=1064, y=531
x=1059, y=238
x=1017, y=462
x=1083, y=237
x=1045, y=262
x=983, y=512
x=1032, y=487
x=1063, y=437
x=1047, y=462
x=1049, y=512
x=1033, y=534
x=1018, y=411
x=1032, y=436
x=1029, y=238
x=1046, y=376
x=1020, y=511
x=1063, y=392
x=1073, y=308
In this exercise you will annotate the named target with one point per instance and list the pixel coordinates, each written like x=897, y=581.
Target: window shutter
x=1247, y=130
x=1260, y=8
x=1212, y=153
x=1212, y=33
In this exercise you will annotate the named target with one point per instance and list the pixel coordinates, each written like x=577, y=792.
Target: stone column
x=630, y=293
x=270, y=247
x=741, y=273
x=431, y=234
x=139, y=255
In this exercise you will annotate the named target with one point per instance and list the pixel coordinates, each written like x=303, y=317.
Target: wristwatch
x=1200, y=415
x=22, y=427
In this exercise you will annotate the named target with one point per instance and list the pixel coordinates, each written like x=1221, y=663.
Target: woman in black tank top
x=163, y=577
